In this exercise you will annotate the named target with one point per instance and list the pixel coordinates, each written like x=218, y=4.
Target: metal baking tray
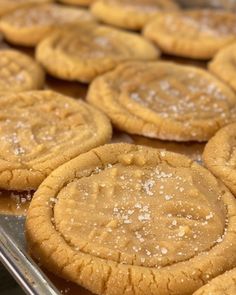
x=13, y=251
x=15, y=258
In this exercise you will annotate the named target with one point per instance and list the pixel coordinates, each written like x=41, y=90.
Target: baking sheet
x=13, y=253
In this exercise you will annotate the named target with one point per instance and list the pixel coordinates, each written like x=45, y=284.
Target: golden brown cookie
x=77, y=2
x=222, y=285
x=19, y=72
x=195, y=33
x=82, y=53
x=126, y=219
x=130, y=14
x=223, y=65
x=7, y=6
x=193, y=150
x=163, y=100
x=29, y=25
x=40, y=130
x=220, y=155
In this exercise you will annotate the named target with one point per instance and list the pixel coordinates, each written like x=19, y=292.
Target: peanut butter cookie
x=7, y=6
x=130, y=14
x=77, y=2
x=193, y=150
x=164, y=100
x=224, y=65
x=220, y=155
x=82, y=53
x=195, y=33
x=28, y=26
x=222, y=285
x=40, y=130
x=125, y=219
x=19, y=72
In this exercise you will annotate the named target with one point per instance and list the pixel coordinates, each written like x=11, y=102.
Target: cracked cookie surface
x=220, y=155
x=223, y=65
x=164, y=100
x=126, y=219
x=28, y=26
x=130, y=14
x=222, y=285
x=192, y=150
x=19, y=72
x=7, y=6
x=40, y=130
x=195, y=33
x=82, y=53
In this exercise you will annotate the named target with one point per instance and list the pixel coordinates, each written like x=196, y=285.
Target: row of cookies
x=106, y=259
x=127, y=219
x=155, y=99
x=101, y=176
x=196, y=34
x=7, y=6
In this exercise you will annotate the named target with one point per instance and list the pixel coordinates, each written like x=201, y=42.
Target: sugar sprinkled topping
x=152, y=214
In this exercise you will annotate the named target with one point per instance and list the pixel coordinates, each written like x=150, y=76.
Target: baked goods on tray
x=164, y=100
x=130, y=219
x=195, y=34
x=29, y=25
x=19, y=72
x=130, y=14
x=121, y=219
x=41, y=130
x=83, y=52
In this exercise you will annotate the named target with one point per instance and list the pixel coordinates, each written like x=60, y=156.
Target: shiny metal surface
x=13, y=252
x=15, y=258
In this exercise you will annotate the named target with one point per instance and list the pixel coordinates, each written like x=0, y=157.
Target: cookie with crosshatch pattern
x=130, y=14
x=29, y=25
x=40, y=130
x=164, y=100
x=198, y=34
x=7, y=6
x=126, y=219
x=19, y=72
x=82, y=53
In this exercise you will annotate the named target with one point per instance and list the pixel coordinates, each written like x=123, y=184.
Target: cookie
x=40, y=130
x=19, y=72
x=163, y=100
x=7, y=6
x=130, y=14
x=125, y=219
x=193, y=150
x=223, y=65
x=219, y=155
x=197, y=34
x=28, y=26
x=222, y=285
x=77, y=2
x=82, y=53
